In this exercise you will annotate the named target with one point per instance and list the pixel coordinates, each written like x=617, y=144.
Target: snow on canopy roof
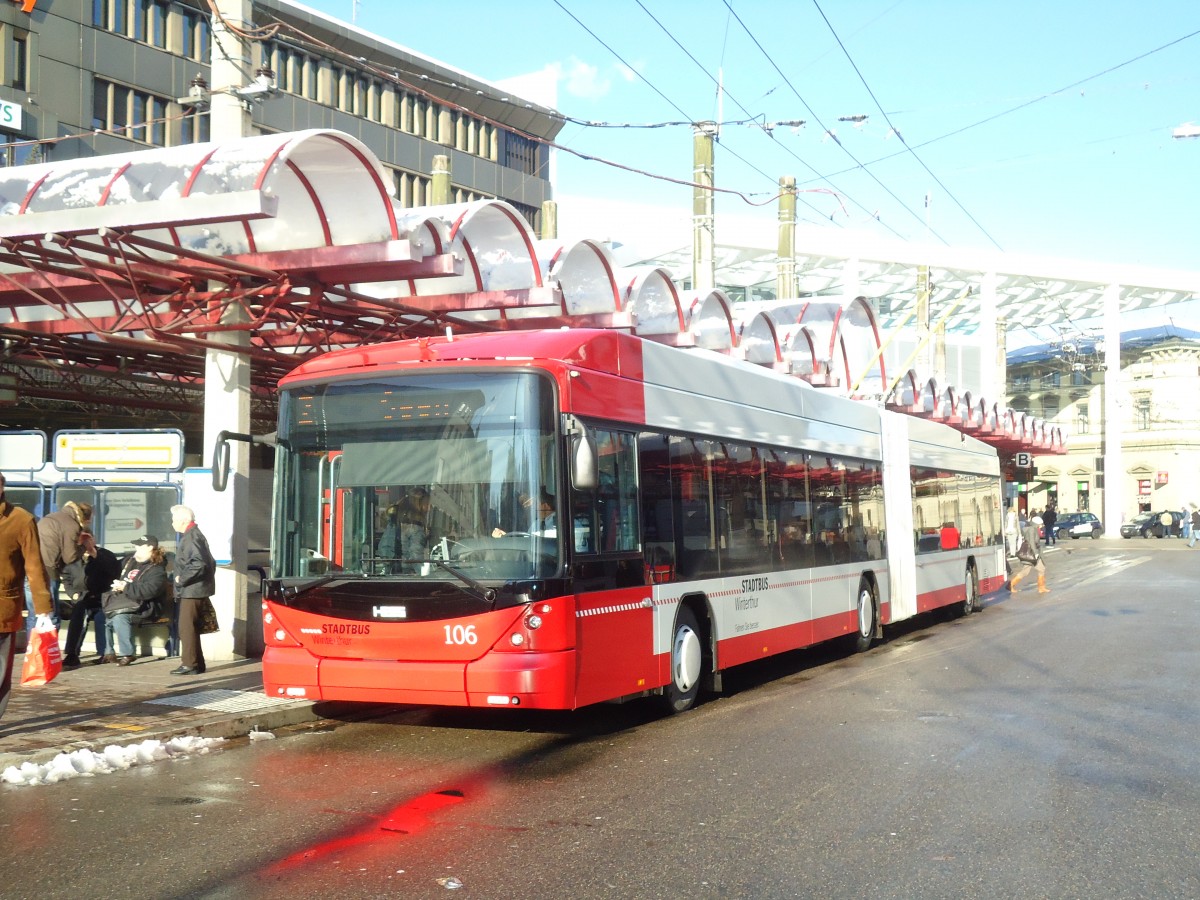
x=259, y=194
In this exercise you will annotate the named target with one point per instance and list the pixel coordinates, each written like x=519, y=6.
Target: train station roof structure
x=118, y=274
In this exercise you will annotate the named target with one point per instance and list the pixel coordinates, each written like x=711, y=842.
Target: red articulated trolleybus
x=558, y=518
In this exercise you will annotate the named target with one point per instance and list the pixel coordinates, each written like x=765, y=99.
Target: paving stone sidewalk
x=97, y=705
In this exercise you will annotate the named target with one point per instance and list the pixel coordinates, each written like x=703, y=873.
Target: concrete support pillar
x=233, y=67
x=224, y=517
x=1112, y=431
x=704, y=273
x=785, y=280
x=440, y=188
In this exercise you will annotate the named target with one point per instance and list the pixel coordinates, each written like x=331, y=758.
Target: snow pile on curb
x=112, y=758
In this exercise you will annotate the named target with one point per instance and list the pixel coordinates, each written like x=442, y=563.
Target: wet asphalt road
x=1045, y=747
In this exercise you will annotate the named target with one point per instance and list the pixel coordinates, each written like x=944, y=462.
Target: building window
x=197, y=35
x=1081, y=419
x=137, y=115
x=150, y=21
x=522, y=154
x=1051, y=379
x=295, y=71
x=18, y=151
x=110, y=15
x=1021, y=383
x=1141, y=414
x=411, y=189
x=17, y=63
x=194, y=127
x=1080, y=377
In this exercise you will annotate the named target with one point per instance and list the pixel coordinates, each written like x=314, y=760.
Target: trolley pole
x=704, y=275
x=785, y=279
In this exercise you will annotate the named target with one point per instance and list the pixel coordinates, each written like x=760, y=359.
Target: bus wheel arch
x=867, y=613
x=691, y=656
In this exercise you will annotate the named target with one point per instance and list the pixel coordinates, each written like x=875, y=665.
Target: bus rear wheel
x=971, y=604
x=687, y=663
x=867, y=617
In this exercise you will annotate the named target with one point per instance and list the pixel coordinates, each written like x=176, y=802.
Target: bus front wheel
x=687, y=662
x=866, y=617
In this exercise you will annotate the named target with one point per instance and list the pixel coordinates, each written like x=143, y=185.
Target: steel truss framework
x=121, y=277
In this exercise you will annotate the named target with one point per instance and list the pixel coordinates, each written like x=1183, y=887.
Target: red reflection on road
x=408, y=818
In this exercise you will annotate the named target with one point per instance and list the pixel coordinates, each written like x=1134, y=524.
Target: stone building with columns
x=1157, y=422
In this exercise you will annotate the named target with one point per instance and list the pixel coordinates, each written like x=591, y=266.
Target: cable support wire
x=895, y=130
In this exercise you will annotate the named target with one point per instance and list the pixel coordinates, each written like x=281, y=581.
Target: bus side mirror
x=585, y=474
x=220, y=460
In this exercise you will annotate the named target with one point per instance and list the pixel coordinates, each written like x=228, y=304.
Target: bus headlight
x=280, y=634
x=533, y=622
x=517, y=639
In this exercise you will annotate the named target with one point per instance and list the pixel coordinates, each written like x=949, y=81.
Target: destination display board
x=119, y=450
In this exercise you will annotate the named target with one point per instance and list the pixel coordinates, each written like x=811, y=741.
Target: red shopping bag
x=43, y=659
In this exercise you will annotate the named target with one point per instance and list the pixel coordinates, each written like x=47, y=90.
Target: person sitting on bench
x=138, y=596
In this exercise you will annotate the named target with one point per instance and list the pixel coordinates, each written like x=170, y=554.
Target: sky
x=1025, y=126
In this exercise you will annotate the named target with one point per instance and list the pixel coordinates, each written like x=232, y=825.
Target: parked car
x=1077, y=525
x=1150, y=525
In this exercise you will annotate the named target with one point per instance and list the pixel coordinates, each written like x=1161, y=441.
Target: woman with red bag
x=20, y=558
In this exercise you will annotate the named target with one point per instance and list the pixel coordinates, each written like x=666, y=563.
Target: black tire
x=972, y=603
x=868, y=617
x=687, y=663
x=1146, y=533
x=1095, y=534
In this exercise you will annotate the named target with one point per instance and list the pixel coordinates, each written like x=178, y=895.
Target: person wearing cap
x=138, y=596
x=1029, y=555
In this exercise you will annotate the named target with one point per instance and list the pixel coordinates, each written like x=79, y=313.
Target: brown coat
x=59, y=533
x=20, y=558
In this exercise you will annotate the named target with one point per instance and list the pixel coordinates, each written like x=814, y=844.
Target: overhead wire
x=740, y=106
x=1032, y=101
x=858, y=165
x=669, y=101
x=896, y=131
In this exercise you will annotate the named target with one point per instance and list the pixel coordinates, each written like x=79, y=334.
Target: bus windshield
x=440, y=476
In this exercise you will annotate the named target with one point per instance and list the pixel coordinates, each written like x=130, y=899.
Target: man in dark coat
x=195, y=583
x=100, y=568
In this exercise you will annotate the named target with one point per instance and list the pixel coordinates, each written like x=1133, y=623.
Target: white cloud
x=583, y=79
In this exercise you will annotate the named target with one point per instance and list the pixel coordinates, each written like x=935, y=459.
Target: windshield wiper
x=486, y=594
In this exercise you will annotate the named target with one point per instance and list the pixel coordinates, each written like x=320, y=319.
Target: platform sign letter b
x=1024, y=460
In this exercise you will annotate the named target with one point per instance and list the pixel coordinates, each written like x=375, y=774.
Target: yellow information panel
x=109, y=450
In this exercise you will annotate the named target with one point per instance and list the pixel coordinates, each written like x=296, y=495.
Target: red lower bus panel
x=532, y=680
x=936, y=599
x=993, y=584
x=369, y=680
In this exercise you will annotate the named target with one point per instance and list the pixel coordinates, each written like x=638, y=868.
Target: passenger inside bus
x=405, y=536
x=544, y=524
